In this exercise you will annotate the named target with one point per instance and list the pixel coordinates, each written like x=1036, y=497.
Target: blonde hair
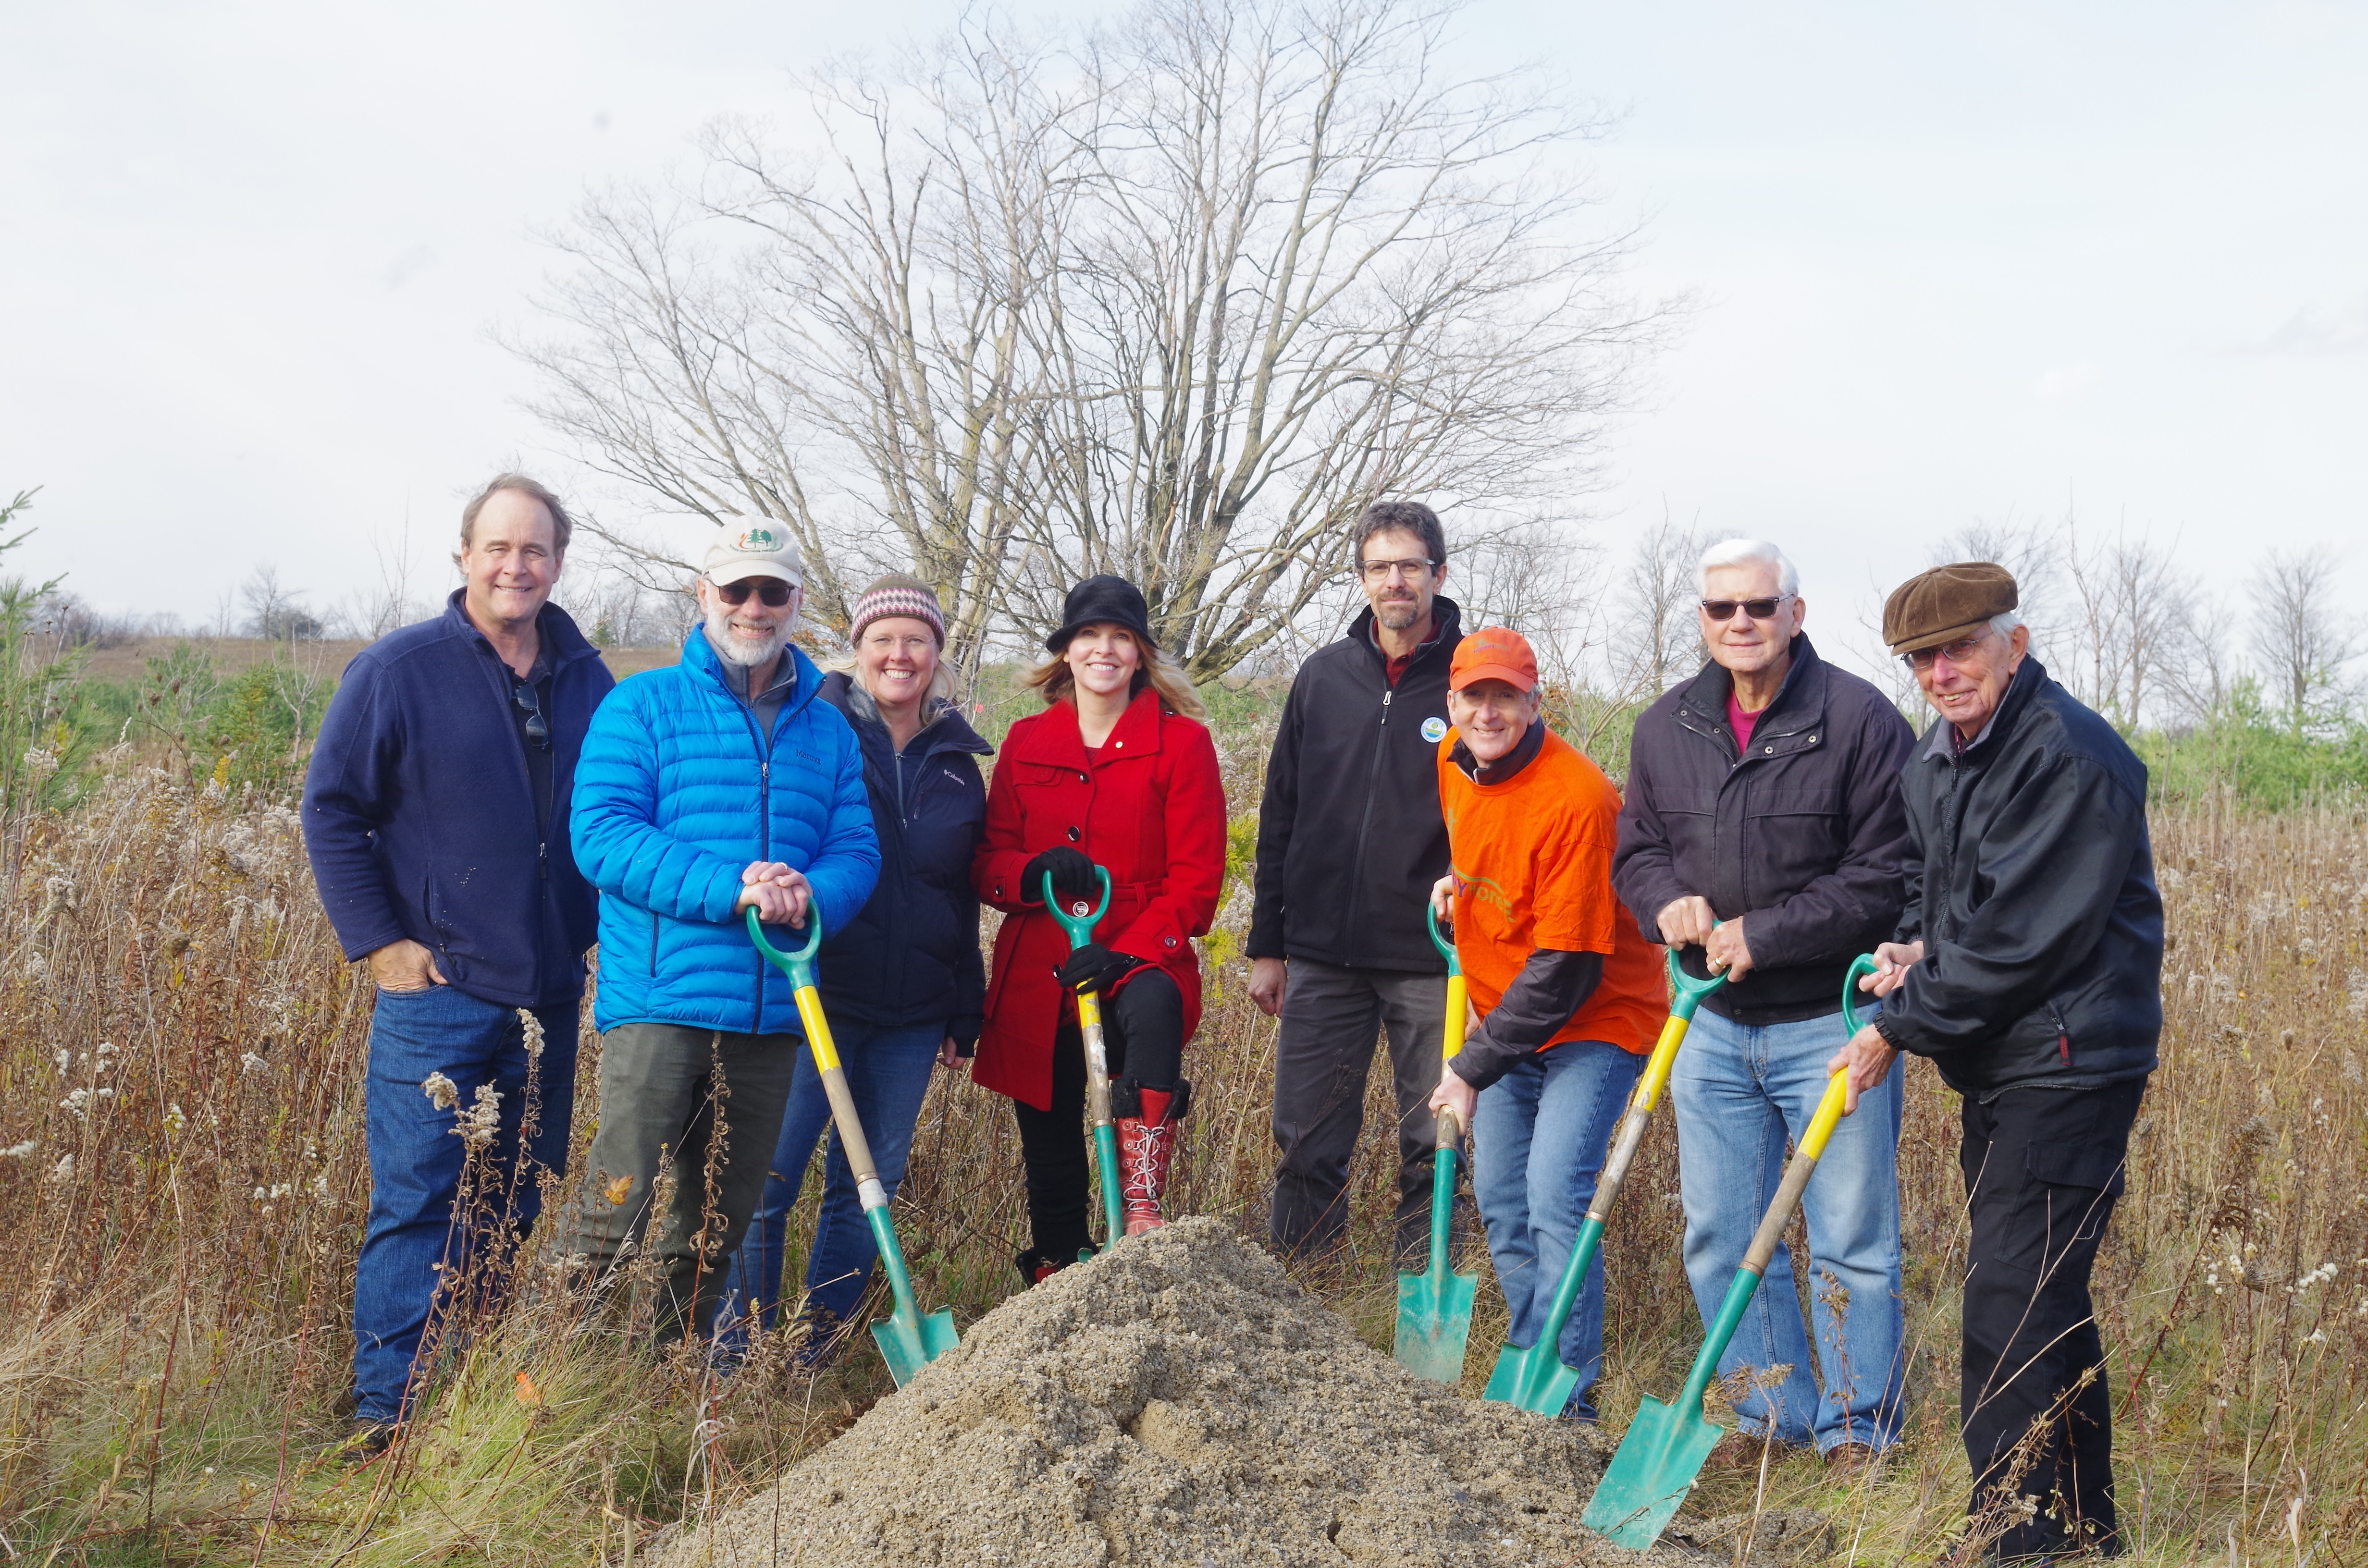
x=1158, y=668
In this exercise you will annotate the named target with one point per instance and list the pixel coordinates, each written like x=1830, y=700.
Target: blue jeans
x=887, y=1077
x=1739, y=1093
x=1538, y=1135
x=419, y=1246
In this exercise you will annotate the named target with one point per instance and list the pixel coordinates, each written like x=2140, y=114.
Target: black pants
x=1331, y=1016
x=1143, y=1037
x=2043, y=1168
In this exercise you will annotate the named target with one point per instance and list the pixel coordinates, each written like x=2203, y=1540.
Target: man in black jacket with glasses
x=2028, y=966
x=1762, y=836
x=1349, y=842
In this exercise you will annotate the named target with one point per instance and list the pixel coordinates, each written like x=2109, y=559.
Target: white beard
x=734, y=648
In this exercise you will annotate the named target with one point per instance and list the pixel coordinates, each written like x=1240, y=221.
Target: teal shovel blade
x=1534, y=1379
x=908, y=1340
x=1655, y=1467
x=907, y=1344
x=1434, y=1318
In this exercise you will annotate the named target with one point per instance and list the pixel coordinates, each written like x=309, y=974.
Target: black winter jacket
x=1350, y=835
x=911, y=956
x=1804, y=837
x=2031, y=883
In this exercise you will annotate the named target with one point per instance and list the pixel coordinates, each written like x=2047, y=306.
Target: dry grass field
x=182, y=1181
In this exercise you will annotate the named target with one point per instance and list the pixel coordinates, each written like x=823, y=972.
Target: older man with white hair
x=718, y=785
x=2028, y=966
x=1764, y=836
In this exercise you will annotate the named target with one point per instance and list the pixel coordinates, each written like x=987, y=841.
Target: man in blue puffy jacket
x=717, y=786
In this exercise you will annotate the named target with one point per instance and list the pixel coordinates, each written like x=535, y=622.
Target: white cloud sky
x=1955, y=263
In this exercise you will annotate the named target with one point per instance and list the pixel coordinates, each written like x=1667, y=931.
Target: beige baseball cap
x=761, y=550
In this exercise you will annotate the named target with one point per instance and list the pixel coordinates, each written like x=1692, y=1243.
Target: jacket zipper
x=764, y=822
x=1365, y=828
x=2063, y=1034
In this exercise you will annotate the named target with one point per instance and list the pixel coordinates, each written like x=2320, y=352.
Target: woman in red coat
x=1116, y=772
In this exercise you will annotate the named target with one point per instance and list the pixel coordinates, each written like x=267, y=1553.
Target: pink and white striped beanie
x=897, y=594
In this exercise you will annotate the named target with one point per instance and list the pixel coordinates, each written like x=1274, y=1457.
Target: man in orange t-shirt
x=1569, y=994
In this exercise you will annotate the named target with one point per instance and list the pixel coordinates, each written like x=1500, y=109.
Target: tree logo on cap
x=756, y=539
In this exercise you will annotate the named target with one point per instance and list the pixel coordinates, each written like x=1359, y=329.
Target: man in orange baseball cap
x=1568, y=991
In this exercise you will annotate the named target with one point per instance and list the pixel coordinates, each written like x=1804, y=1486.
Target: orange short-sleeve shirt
x=1532, y=859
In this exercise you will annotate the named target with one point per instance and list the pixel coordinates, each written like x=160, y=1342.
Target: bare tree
x=2133, y=623
x=1661, y=628
x=2297, y=640
x=273, y=611
x=1176, y=299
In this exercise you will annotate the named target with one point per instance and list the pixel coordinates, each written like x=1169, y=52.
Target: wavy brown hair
x=1158, y=668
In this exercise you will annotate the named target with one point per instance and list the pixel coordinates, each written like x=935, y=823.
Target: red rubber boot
x=1147, y=1144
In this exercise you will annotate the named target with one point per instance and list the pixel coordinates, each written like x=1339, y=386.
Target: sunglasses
x=1758, y=610
x=538, y=728
x=772, y=590
x=1957, y=652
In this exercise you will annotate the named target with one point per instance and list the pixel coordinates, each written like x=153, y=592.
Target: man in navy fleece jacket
x=435, y=813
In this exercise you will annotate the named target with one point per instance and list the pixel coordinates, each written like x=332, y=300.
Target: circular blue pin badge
x=1434, y=730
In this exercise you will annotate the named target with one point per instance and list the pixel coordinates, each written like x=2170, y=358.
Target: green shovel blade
x=1651, y=1474
x=908, y=1340
x=907, y=1345
x=1534, y=1379
x=1434, y=1316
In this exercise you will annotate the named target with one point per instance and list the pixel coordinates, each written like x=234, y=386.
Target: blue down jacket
x=677, y=792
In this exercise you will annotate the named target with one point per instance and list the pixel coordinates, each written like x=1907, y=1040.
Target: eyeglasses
x=772, y=590
x=538, y=728
x=1957, y=652
x=1758, y=610
x=1383, y=570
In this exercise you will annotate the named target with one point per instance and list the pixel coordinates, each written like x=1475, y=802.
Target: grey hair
x=1747, y=551
x=2004, y=622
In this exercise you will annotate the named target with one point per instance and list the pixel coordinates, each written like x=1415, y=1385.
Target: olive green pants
x=705, y=1107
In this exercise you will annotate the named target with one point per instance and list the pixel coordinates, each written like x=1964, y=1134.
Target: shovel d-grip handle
x=1862, y=964
x=1079, y=922
x=799, y=965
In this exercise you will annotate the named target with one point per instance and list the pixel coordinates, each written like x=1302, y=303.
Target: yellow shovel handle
x=1771, y=1234
x=1459, y=1007
x=842, y=1103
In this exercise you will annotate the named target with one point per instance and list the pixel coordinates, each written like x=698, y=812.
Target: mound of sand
x=1179, y=1403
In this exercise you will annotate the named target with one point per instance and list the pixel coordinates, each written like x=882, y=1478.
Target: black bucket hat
x=1103, y=598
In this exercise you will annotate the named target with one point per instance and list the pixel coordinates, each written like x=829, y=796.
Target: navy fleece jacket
x=420, y=816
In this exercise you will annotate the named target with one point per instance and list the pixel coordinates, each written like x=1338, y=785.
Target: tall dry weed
x=181, y=1054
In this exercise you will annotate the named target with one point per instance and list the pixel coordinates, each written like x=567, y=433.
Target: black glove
x=1094, y=968
x=1072, y=875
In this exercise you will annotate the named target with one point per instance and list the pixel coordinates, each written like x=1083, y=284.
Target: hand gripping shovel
x=1435, y=1308
x=1666, y=1445
x=1079, y=922
x=908, y=1340
x=1535, y=1379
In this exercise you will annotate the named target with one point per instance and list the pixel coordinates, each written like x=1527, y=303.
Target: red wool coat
x=1150, y=808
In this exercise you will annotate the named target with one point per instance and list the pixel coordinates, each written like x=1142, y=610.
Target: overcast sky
x=1953, y=263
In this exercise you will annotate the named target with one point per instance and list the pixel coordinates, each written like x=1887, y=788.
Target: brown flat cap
x=1944, y=604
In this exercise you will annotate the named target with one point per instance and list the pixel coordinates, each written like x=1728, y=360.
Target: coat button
x=1081, y=776
x=1074, y=836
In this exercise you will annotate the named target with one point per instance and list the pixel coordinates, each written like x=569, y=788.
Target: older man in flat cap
x=2028, y=967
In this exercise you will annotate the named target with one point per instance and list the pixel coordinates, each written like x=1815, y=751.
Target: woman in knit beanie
x=904, y=983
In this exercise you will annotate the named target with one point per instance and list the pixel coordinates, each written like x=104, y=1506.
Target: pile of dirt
x=1178, y=1403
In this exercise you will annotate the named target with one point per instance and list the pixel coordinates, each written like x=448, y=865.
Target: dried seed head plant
x=183, y=1172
